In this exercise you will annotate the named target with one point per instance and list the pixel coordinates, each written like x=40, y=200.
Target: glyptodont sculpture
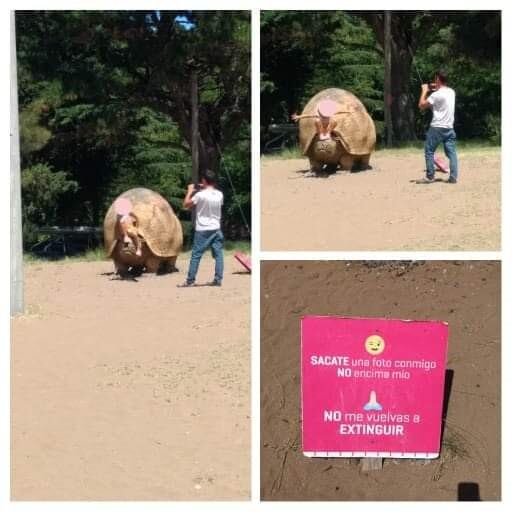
x=352, y=140
x=157, y=227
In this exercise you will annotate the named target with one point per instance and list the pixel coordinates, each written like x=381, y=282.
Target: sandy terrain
x=125, y=390
x=382, y=209
x=465, y=294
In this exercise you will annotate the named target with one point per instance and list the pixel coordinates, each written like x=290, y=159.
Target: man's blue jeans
x=447, y=137
x=204, y=240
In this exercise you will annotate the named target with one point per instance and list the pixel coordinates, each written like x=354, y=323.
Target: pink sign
x=372, y=387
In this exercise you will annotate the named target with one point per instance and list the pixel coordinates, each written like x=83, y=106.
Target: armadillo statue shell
x=157, y=223
x=355, y=130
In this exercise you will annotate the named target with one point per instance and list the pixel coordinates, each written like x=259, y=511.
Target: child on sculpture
x=127, y=223
x=324, y=120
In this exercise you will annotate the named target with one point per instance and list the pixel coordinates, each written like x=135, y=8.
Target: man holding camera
x=207, y=200
x=441, y=99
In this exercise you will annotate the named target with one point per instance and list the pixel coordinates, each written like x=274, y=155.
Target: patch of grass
x=237, y=245
x=97, y=254
x=230, y=246
x=285, y=154
x=454, y=447
x=463, y=147
x=31, y=311
x=29, y=258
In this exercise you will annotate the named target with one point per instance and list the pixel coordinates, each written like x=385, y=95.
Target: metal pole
x=388, y=97
x=16, y=226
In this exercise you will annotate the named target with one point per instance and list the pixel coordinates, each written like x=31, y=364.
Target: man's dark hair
x=442, y=76
x=209, y=176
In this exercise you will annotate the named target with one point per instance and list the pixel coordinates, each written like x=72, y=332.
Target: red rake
x=441, y=164
x=243, y=260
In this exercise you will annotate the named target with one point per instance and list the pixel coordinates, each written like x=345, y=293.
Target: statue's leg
x=152, y=263
x=364, y=163
x=346, y=162
x=122, y=269
x=172, y=264
x=168, y=265
x=315, y=166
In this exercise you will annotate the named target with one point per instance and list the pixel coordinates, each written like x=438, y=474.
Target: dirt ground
x=465, y=294
x=131, y=390
x=383, y=208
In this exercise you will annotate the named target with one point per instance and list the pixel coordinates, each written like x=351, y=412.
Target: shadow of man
x=468, y=491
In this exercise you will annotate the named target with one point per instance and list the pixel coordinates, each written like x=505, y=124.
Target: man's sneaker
x=451, y=179
x=186, y=284
x=215, y=283
x=425, y=180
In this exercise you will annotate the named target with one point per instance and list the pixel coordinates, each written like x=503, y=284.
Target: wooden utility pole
x=16, y=226
x=194, y=131
x=388, y=97
x=194, y=127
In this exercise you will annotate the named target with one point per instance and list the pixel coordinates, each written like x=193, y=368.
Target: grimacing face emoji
x=374, y=345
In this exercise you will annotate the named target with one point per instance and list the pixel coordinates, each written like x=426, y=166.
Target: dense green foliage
x=43, y=187
x=305, y=52
x=105, y=106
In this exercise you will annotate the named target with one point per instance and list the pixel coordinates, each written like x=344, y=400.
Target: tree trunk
x=209, y=157
x=402, y=48
x=403, y=106
x=207, y=149
x=194, y=126
x=388, y=97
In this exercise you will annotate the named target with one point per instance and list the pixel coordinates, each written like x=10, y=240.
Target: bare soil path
x=382, y=209
x=131, y=390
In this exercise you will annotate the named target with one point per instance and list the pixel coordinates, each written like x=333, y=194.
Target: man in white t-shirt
x=442, y=103
x=208, y=235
